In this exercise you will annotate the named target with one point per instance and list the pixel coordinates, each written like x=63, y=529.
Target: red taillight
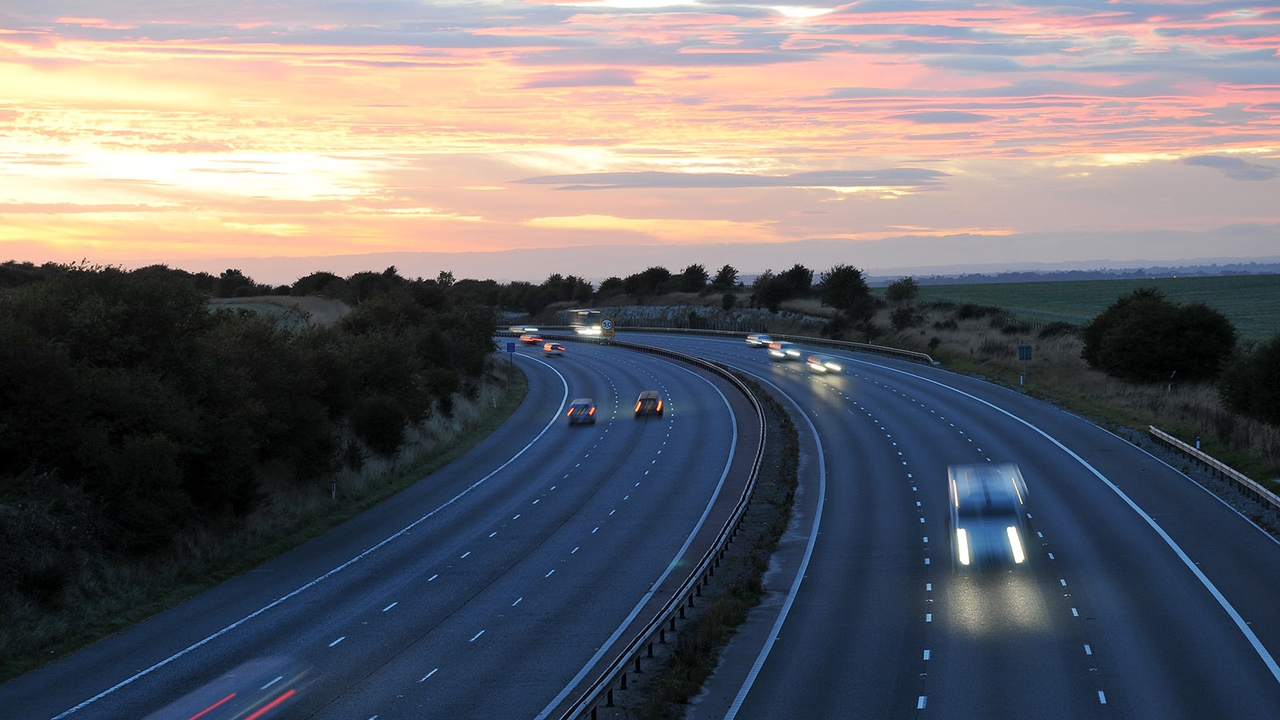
x=659, y=408
x=570, y=413
x=592, y=411
x=637, y=407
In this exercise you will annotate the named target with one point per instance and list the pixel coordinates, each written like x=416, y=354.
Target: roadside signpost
x=1024, y=354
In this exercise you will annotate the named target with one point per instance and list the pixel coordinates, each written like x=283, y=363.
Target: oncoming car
x=758, y=340
x=552, y=349
x=988, y=511
x=649, y=403
x=783, y=350
x=823, y=363
x=582, y=411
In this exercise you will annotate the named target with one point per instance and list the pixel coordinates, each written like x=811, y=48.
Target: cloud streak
x=367, y=125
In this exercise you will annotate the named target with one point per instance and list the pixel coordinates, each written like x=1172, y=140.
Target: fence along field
x=1251, y=302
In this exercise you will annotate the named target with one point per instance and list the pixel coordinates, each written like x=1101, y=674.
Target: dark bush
x=1250, y=383
x=379, y=422
x=905, y=316
x=1147, y=338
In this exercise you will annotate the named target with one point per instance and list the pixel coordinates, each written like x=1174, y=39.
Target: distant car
x=582, y=411
x=552, y=349
x=530, y=338
x=988, y=511
x=521, y=329
x=782, y=350
x=758, y=340
x=649, y=403
x=823, y=363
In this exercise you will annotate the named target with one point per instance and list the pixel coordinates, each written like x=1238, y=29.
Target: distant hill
x=1252, y=268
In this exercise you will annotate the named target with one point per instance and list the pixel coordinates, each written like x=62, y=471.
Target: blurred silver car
x=988, y=511
x=823, y=363
x=783, y=350
x=758, y=340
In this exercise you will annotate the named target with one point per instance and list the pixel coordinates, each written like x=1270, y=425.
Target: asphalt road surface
x=482, y=591
x=1144, y=596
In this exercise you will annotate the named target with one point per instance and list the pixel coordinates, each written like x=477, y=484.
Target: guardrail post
x=624, y=681
x=650, y=648
x=638, y=660
x=609, y=702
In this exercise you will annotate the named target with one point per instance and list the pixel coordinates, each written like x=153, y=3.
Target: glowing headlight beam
x=962, y=545
x=1015, y=543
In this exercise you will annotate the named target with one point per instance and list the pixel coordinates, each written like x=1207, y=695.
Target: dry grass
x=1057, y=373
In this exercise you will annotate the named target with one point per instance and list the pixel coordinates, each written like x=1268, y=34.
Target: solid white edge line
x=1204, y=580
x=595, y=659
x=279, y=601
x=804, y=563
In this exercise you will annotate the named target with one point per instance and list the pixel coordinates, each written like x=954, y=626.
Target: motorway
x=487, y=589
x=482, y=591
x=1144, y=595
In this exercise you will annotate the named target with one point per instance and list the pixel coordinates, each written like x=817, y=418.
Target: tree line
x=132, y=410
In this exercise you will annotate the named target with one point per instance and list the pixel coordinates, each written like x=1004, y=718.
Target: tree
x=1145, y=337
x=1250, y=384
x=649, y=282
x=903, y=290
x=693, y=279
x=726, y=278
x=799, y=281
x=843, y=288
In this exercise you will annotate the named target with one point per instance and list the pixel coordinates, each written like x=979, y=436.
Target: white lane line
x=575, y=549
x=517, y=602
x=476, y=636
x=433, y=672
x=926, y=654
x=495, y=532
x=549, y=573
x=1102, y=698
x=273, y=682
x=1075, y=612
x=433, y=577
x=335, y=642
x=928, y=617
x=613, y=638
x=1088, y=650
x=920, y=702
x=535, y=502
x=1225, y=604
x=464, y=555
x=390, y=606
x=517, y=517
x=555, y=416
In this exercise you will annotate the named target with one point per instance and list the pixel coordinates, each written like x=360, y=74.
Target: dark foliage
x=1250, y=383
x=902, y=290
x=124, y=392
x=905, y=317
x=844, y=288
x=1146, y=338
x=1055, y=329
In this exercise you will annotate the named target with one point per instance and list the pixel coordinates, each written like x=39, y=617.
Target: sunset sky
x=889, y=134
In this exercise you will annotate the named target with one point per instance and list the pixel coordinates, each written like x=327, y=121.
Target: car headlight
x=1015, y=544
x=962, y=545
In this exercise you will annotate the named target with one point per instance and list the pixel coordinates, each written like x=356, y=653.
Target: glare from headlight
x=833, y=366
x=1016, y=544
x=962, y=546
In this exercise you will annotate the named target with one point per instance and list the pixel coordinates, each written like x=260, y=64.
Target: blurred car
x=649, y=403
x=530, y=338
x=988, y=511
x=582, y=411
x=758, y=340
x=552, y=349
x=782, y=350
x=521, y=329
x=823, y=363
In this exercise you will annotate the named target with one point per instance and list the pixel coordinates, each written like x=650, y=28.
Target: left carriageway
x=484, y=590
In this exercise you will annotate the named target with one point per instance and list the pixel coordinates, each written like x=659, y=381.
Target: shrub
x=1054, y=329
x=1147, y=338
x=379, y=421
x=1250, y=384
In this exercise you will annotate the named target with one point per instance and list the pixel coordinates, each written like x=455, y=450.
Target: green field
x=1251, y=302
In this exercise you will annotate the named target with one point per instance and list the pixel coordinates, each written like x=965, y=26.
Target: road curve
x=481, y=591
x=1145, y=596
